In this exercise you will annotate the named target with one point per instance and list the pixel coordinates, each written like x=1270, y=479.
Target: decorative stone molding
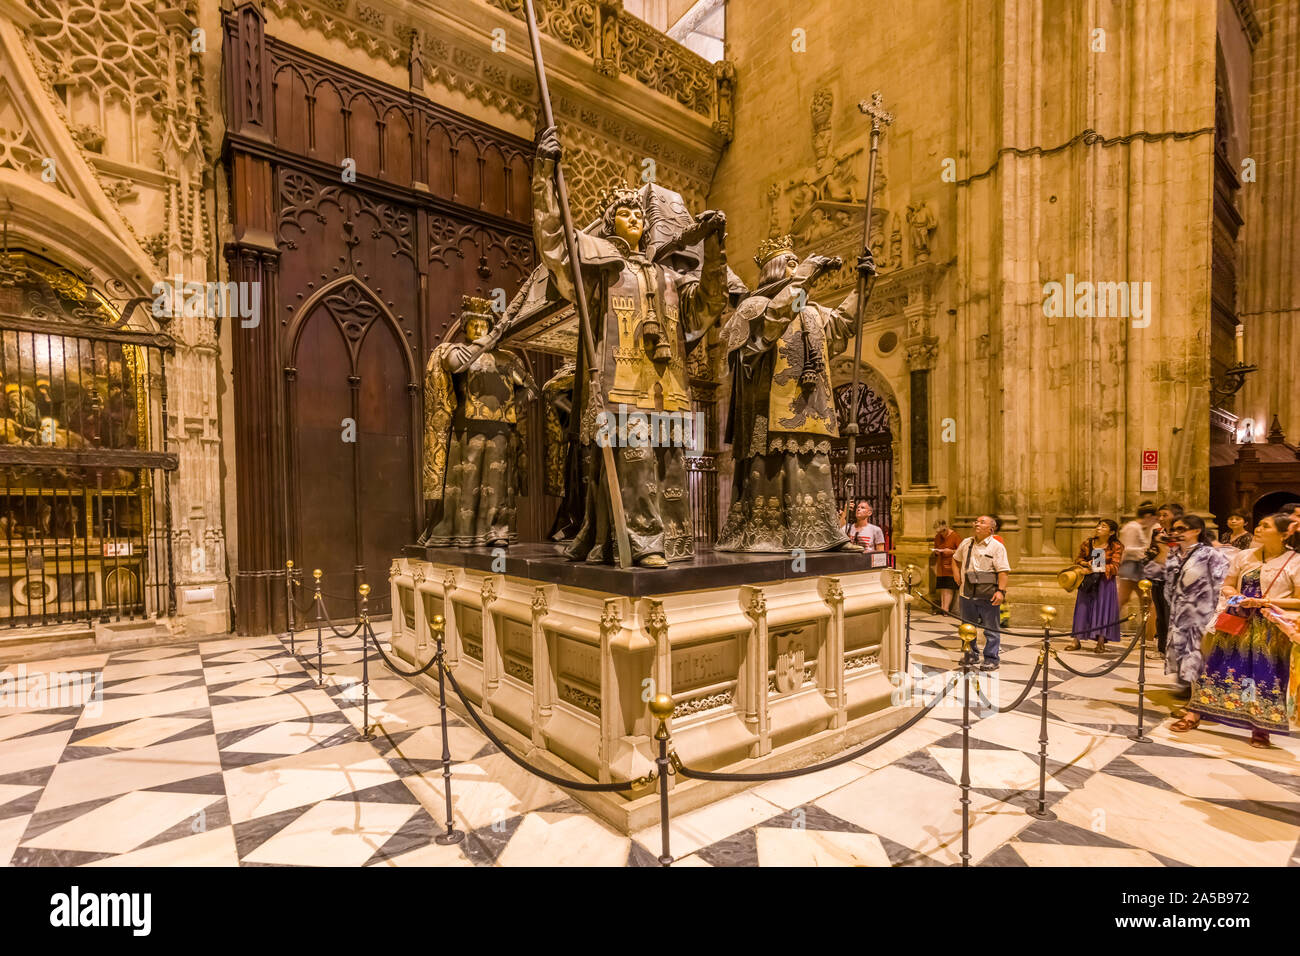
x=656, y=621
x=489, y=592
x=540, y=608
x=611, y=619
x=448, y=584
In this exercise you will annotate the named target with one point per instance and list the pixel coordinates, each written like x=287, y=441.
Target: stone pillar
x=752, y=683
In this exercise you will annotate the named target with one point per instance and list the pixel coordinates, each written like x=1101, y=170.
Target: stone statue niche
x=475, y=446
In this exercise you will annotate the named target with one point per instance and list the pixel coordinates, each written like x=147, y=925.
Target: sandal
x=1076, y=646
x=1100, y=647
x=1186, y=723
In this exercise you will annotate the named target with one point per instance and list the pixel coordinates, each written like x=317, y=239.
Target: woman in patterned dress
x=1191, y=572
x=1251, y=678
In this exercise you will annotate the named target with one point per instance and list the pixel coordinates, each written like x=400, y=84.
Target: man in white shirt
x=863, y=531
x=980, y=567
x=1135, y=536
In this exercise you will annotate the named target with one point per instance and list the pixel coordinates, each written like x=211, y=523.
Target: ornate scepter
x=880, y=118
x=580, y=301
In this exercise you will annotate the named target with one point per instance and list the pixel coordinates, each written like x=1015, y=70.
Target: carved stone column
x=830, y=663
x=544, y=689
x=491, y=651
x=751, y=692
x=451, y=639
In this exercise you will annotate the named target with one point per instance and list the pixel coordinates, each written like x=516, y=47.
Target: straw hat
x=1070, y=578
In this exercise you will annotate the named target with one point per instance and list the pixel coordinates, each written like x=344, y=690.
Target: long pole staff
x=580, y=300
x=880, y=118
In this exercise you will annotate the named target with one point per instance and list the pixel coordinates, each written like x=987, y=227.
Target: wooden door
x=351, y=409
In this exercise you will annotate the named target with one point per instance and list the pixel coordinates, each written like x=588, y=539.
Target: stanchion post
x=320, y=646
x=439, y=627
x=1144, y=605
x=911, y=579
x=661, y=708
x=1047, y=615
x=364, y=591
x=967, y=634
x=288, y=603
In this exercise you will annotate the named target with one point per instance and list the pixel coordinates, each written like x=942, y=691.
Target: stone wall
x=1027, y=146
x=1268, y=297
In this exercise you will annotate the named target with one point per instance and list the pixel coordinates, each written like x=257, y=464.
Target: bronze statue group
x=654, y=280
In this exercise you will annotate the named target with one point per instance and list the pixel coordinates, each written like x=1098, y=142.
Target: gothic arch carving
x=356, y=310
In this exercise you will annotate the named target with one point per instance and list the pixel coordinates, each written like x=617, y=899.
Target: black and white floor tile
x=230, y=753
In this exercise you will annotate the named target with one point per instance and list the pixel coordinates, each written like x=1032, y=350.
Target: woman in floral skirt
x=1251, y=674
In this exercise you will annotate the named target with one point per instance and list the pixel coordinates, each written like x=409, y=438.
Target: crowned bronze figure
x=781, y=417
x=642, y=310
x=474, y=435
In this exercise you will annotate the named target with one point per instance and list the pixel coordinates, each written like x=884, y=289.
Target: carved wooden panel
x=371, y=271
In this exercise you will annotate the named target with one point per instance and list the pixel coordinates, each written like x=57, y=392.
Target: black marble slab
x=547, y=564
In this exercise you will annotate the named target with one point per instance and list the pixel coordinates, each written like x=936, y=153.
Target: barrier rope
x=686, y=771
x=1105, y=670
x=537, y=771
x=389, y=661
x=1015, y=633
x=1029, y=688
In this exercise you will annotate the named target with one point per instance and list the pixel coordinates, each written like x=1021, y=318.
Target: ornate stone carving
x=789, y=669
x=853, y=662
x=757, y=603
x=697, y=705
x=656, y=620
x=921, y=223
x=922, y=353
x=611, y=619
x=448, y=583
x=580, y=698
x=489, y=591
x=540, y=608
x=834, y=591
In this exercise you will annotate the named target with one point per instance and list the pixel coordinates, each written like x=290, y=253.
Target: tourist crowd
x=1226, y=612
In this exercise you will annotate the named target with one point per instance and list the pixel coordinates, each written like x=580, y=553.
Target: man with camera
x=980, y=567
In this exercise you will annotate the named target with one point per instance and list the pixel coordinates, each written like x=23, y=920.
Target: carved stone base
x=774, y=672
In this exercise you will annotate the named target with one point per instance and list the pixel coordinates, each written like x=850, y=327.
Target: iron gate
x=85, y=511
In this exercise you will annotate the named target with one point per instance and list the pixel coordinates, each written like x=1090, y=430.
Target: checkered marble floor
x=229, y=753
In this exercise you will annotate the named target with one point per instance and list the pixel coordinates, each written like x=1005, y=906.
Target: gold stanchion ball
x=316, y=574
x=438, y=623
x=1047, y=615
x=364, y=590
x=661, y=706
x=1145, y=587
x=289, y=565
x=967, y=634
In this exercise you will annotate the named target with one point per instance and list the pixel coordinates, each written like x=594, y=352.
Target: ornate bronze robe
x=780, y=422
x=475, y=450
x=624, y=290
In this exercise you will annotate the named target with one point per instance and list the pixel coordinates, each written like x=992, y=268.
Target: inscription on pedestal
x=469, y=621
x=517, y=650
x=704, y=664
x=863, y=630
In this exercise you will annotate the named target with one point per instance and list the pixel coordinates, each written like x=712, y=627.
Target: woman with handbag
x=1190, y=570
x=1251, y=674
x=1096, y=608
